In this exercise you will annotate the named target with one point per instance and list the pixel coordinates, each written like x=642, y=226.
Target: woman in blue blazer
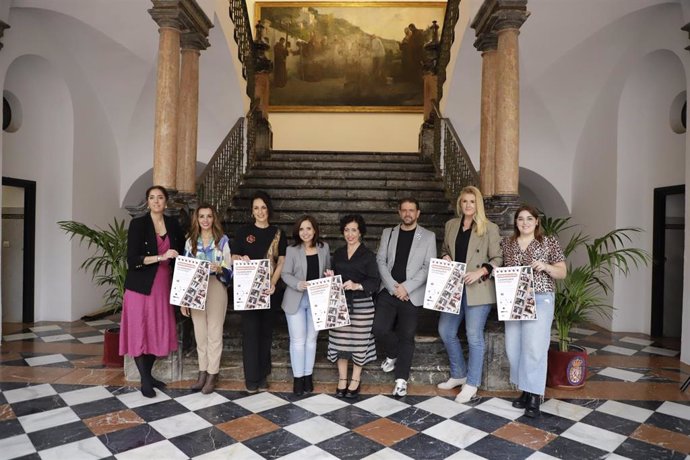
x=306, y=259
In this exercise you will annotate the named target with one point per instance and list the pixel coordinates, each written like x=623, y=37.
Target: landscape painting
x=347, y=57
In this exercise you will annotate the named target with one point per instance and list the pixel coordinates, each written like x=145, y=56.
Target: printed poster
x=251, y=282
x=444, y=286
x=190, y=282
x=515, y=293
x=328, y=304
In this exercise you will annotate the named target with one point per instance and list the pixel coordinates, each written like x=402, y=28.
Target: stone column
x=188, y=116
x=487, y=44
x=508, y=103
x=167, y=91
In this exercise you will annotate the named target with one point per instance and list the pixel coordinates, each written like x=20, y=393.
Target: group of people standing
x=384, y=292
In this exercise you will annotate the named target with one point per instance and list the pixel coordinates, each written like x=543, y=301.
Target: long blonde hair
x=195, y=228
x=479, y=216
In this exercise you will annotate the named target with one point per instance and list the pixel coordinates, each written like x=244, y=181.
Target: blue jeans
x=302, y=339
x=527, y=346
x=448, y=325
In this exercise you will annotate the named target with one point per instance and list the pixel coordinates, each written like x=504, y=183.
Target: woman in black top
x=259, y=240
x=147, y=326
x=357, y=266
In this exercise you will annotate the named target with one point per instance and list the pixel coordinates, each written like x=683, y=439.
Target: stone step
x=346, y=157
x=352, y=167
x=382, y=183
x=346, y=206
x=323, y=193
x=344, y=173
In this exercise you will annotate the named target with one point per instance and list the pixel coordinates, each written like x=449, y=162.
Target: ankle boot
x=200, y=381
x=308, y=384
x=532, y=405
x=210, y=385
x=521, y=402
x=298, y=386
x=145, y=375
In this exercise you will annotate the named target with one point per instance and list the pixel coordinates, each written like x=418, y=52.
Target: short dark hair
x=263, y=196
x=408, y=199
x=295, y=231
x=157, y=187
x=358, y=219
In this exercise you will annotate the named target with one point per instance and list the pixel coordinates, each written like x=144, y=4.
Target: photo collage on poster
x=251, y=283
x=444, y=286
x=328, y=304
x=515, y=293
x=190, y=283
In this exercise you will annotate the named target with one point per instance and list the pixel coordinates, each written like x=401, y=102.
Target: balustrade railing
x=446, y=43
x=245, y=42
x=450, y=157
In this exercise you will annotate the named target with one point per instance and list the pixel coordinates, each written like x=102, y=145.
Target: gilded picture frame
x=347, y=56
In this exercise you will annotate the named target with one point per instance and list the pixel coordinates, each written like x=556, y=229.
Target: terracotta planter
x=111, y=348
x=567, y=370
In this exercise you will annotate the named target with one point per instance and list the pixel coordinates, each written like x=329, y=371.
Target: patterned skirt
x=355, y=342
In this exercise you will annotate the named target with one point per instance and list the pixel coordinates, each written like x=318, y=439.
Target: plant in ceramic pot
x=583, y=293
x=108, y=268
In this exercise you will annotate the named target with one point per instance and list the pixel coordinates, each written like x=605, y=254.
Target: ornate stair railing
x=450, y=157
x=450, y=20
x=245, y=42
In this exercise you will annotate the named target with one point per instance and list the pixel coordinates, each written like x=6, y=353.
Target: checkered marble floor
x=57, y=401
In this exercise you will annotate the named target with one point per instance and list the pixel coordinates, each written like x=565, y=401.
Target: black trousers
x=257, y=339
x=395, y=325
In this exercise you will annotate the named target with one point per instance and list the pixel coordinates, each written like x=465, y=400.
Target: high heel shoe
x=308, y=384
x=340, y=392
x=532, y=405
x=298, y=386
x=350, y=394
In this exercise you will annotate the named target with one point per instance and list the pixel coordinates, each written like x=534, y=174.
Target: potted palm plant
x=584, y=292
x=108, y=267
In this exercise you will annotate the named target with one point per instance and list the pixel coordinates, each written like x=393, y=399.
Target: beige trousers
x=208, y=327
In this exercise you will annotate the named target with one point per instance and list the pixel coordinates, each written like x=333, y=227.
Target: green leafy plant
x=108, y=266
x=585, y=289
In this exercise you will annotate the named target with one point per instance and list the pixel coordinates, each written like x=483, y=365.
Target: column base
x=500, y=209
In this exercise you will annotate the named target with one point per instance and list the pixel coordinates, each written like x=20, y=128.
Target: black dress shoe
x=263, y=384
x=340, y=392
x=521, y=402
x=298, y=386
x=532, y=405
x=350, y=394
x=308, y=384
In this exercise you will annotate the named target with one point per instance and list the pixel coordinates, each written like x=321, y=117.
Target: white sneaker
x=400, y=389
x=451, y=383
x=388, y=365
x=466, y=395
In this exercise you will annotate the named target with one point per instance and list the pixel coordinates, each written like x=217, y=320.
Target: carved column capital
x=3, y=26
x=183, y=15
x=509, y=19
x=194, y=41
x=486, y=41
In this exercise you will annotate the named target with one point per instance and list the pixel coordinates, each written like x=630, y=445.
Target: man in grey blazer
x=403, y=260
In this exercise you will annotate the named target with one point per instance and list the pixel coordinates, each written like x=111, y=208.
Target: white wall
x=650, y=155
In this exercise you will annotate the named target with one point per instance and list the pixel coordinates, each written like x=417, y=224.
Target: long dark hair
x=157, y=187
x=538, y=234
x=295, y=231
x=195, y=229
x=263, y=196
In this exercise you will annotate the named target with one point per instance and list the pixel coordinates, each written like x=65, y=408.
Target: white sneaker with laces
x=451, y=383
x=400, y=389
x=388, y=365
x=466, y=394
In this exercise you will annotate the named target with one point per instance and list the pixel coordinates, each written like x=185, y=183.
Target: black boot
x=521, y=402
x=532, y=405
x=200, y=381
x=298, y=386
x=145, y=374
x=308, y=384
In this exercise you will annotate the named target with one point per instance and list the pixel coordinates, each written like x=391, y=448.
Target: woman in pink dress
x=147, y=327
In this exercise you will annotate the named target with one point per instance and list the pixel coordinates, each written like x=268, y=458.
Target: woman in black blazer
x=147, y=327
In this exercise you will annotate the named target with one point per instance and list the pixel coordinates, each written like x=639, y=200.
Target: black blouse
x=361, y=268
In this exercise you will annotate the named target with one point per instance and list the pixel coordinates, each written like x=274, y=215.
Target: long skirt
x=355, y=342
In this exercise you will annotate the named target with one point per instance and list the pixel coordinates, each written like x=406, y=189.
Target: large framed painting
x=347, y=57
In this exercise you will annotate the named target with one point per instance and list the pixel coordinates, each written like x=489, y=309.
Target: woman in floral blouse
x=207, y=242
x=527, y=342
